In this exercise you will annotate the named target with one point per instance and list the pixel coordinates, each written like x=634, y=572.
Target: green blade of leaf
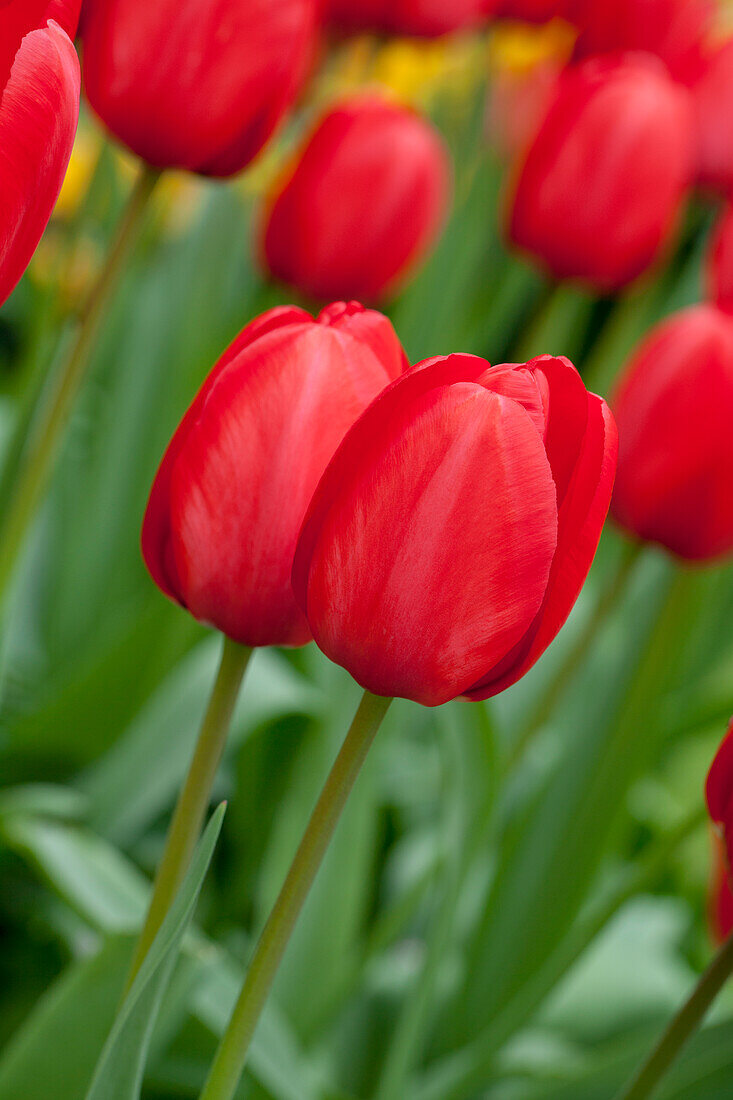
x=119, y=1072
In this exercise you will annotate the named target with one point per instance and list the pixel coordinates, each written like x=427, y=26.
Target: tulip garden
x=366, y=531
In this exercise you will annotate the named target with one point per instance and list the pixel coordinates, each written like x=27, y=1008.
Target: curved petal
x=39, y=110
x=719, y=782
x=391, y=592
x=581, y=518
x=156, y=523
x=240, y=485
x=371, y=328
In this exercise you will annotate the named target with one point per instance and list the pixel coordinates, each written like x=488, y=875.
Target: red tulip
x=421, y=18
x=230, y=495
x=452, y=531
x=674, y=30
x=604, y=178
x=719, y=797
x=39, y=109
x=712, y=99
x=674, y=409
x=720, y=263
x=196, y=84
x=366, y=200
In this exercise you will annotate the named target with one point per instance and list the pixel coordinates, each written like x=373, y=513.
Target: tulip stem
x=46, y=435
x=193, y=801
x=232, y=1053
x=689, y=1017
x=575, y=655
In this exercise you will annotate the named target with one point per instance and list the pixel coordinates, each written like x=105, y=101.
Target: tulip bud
x=603, y=180
x=719, y=797
x=39, y=109
x=674, y=408
x=199, y=85
x=674, y=30
x=720, y=263
x=230, y=495
x=366, y=199
x=453, y=530
x=712, y=100
x=419, y=18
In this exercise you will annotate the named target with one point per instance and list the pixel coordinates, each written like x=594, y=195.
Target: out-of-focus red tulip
x=39, y=110
x=719, y=798
x=603, y=180
x=367, y=197
x=454, y=528
x=674, y=408
x=674, y=30
x=230, y=495
x=534, y=11
x=195, y=84
x=712, y=99
x=720, y=263
x=419, y=18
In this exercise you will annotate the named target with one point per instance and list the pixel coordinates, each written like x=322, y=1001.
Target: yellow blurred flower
x=519, y=48
x=87, y=148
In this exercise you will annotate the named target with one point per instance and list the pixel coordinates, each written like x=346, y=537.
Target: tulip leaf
x=120, y=1069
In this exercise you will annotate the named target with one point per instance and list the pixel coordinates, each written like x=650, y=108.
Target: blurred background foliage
x=495, y=918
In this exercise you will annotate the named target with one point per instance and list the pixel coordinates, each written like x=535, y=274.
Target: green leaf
x=120, y=1069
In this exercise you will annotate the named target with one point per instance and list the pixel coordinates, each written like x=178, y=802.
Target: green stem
x=232, y=1053
x=46, y=436
x=194, y=798
x=576, y=654
x=689, y=1017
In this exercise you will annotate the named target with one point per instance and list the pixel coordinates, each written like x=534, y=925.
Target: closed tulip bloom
x=674, y=30
x=712, y=99
x=600, y=188
x=719, y=798
x=366, y=199
x=230, y=495
x=674, y=409
x=195, y=84
x=720, y=263
x=39, y=110
x=452, y=532
x=420, y=18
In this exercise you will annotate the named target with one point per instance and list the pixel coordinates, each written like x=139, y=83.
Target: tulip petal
x=580, y=522
x=39, y=110
x=719, y=782
x=371, y=328
x=241, y=480
x=155, y=529
x=433, y=561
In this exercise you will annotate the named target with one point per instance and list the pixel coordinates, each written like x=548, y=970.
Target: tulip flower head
x=196, y=84
x=719, y=797
x=674, y=408
x=39, y=110
x=674, y=30
x=419, y=18
x=366, y=199
x=600, y=188
x=712, y=100
x=230, y=495
x=453, y=530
